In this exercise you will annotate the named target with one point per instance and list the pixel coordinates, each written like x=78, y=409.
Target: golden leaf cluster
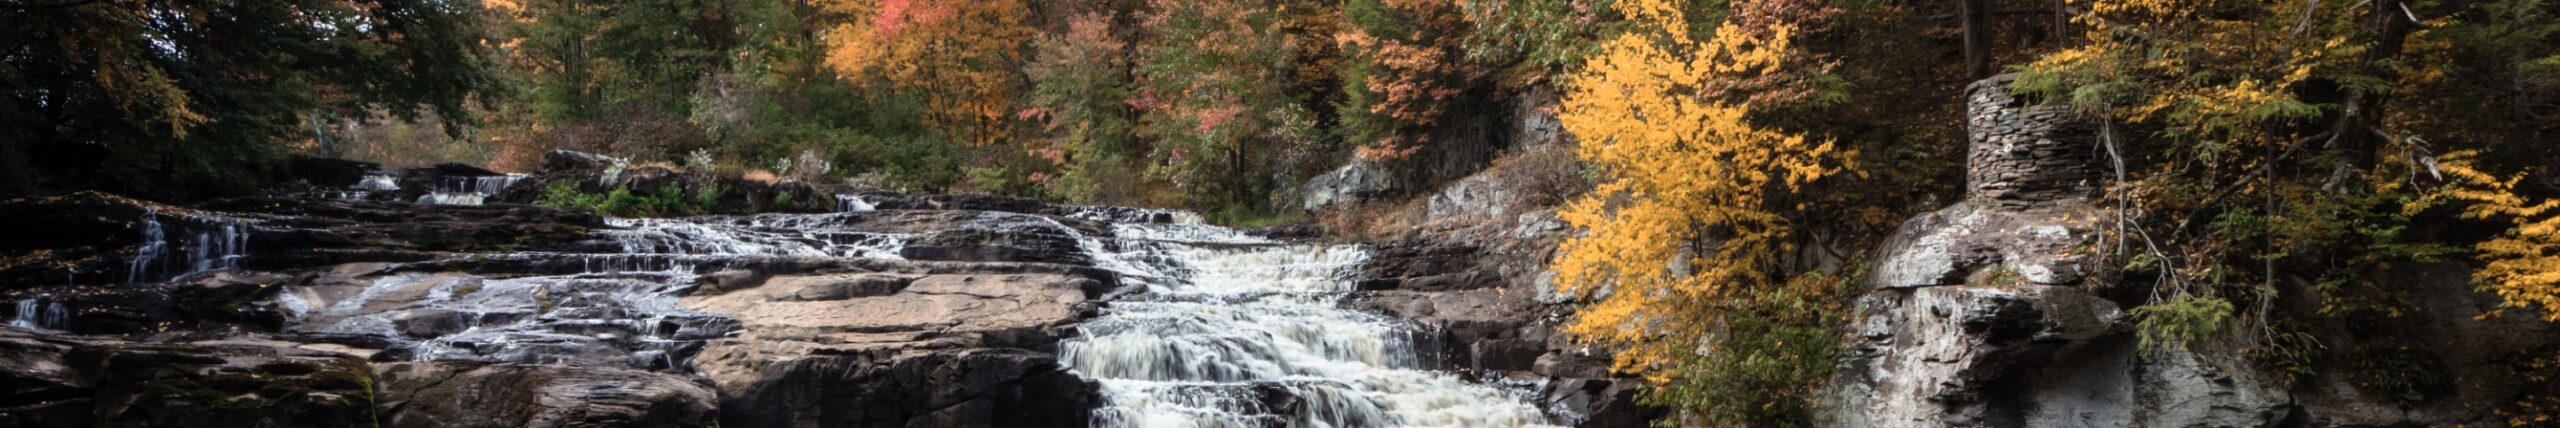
x=1691, y=212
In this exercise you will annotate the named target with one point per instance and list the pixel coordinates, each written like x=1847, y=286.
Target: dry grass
x=1377, y=220
x=1543, y=175
x=760, y=175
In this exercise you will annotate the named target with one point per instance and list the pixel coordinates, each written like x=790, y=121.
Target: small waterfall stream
x=1238, y=331
x=199, y=245
x=466, y=190
x=40, y=312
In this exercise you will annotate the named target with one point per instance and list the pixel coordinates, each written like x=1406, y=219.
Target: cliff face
x=1999, y=311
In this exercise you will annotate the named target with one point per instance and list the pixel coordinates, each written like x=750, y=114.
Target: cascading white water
x=1237, y=331
x=218, y=243
x=35, y=312
x=378, y=182
x=770, y=234
x=468, y=190
x=1111, y=214
x=218, y=247
x=621, y=309
x=153, y=241
x=1230, y=330
x=853, y=203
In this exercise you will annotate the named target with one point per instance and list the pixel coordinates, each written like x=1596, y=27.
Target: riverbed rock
x=1354, y=182
x=455, y=394
x=943, y=350
x=70, y=381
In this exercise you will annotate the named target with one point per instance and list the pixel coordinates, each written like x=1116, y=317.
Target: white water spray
x=37, y=312
x=217, y=244
x=1238, y=331
x=468, y=190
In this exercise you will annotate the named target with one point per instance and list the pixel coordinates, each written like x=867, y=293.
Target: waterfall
x=378, y=182
x=1123, y=215
x=153, y=241
x=623, y=310
x=771, y=234
x=1221, y=329
x=1238, y=331
x=468, y=190
x=217, y=244
x=37, y=312
x=853, y=203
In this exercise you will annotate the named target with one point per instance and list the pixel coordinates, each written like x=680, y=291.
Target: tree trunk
x=2356, y=131
x=1976, y=15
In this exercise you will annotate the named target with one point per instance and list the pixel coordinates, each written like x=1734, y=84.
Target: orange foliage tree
x=959, y=55
x=1413, y=68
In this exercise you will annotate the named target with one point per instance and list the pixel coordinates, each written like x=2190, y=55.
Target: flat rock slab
x=456, y=394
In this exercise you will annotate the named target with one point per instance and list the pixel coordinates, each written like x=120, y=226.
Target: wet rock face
x=93, y=238
x=448, y=394
x=974, y=387
x=67, y=382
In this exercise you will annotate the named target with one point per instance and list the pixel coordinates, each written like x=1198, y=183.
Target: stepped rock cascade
x=465, y=190
x=200, y=245
x=923, y=310
x=378, y=182
x=775, y=234
x=1237, y=331
x=617, y=305
x=36, y=312
x=853, y=203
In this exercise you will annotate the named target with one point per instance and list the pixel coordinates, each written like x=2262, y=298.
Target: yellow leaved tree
x=1692, y=210
x=2523, y=265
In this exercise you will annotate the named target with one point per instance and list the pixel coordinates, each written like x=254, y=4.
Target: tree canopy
x=169, y=97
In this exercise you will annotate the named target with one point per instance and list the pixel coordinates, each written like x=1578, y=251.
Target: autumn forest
x=1741, y=187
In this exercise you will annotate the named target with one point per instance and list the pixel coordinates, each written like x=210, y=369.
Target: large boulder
x=882, y=349
x=1354, y=182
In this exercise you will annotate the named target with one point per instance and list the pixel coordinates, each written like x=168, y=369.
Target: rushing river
x=1220, y=329
x=1239, y=331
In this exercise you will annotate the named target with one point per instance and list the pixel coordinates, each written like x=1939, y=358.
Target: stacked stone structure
x=2023, y=152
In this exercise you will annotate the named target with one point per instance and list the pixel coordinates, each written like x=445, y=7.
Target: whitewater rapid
x=1239, y=331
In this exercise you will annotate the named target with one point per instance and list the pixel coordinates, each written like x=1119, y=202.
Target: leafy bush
x=670, y=200
x=2179, y=322
x=1771, y=360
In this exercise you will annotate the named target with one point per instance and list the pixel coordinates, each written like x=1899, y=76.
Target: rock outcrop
x=2000, y=311
x=895, y=349
x=1476, y=274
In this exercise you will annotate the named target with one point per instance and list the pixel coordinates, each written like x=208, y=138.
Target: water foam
x=1241, y=331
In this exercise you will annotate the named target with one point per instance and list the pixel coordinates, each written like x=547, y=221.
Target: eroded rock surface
x=1476, y=275
x=451, y=394
x=1997, y=312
